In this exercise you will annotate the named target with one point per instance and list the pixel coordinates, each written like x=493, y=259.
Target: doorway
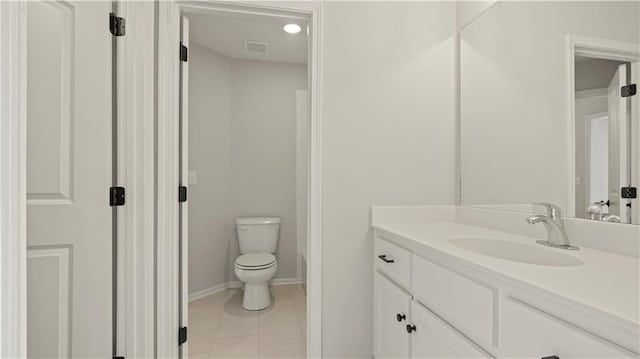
x=604, y=130
x=244, y=162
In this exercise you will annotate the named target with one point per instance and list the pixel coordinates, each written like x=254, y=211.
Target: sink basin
x=517, y=252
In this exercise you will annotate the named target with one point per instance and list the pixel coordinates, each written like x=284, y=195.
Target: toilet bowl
x=256, y=266
x=255, y=270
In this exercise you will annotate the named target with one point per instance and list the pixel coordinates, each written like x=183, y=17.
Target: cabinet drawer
x=434, y=338
x=526, y=332
x=465, y=304
x=393, y=260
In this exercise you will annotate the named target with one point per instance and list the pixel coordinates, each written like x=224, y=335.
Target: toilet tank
x=258, y=234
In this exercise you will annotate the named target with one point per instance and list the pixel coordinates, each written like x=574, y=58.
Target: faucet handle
x=553, y=211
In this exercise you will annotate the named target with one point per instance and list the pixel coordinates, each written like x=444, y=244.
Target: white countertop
x=606, y=282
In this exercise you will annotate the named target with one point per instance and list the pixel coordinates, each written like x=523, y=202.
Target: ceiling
x=579, y=58
x=227, y=34
x=592, y=73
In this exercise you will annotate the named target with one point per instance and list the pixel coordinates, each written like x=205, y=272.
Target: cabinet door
x=434, y=338
x=391, y=303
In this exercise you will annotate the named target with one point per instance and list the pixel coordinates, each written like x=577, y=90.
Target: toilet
x=256, y=265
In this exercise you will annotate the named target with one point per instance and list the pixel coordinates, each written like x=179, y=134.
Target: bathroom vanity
x=548, y=112
x=446, y=287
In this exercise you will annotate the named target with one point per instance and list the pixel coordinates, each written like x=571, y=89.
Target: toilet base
x=256, y=296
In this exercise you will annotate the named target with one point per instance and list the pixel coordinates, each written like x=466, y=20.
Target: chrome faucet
x=554, y=223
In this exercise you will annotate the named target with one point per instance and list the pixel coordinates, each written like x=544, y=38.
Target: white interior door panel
x=69, y=172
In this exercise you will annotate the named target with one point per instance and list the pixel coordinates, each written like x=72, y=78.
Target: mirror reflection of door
x=603, y=140
x=598, y=153
x=617, y=142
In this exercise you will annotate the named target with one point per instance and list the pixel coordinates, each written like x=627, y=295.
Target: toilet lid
x=252, y=260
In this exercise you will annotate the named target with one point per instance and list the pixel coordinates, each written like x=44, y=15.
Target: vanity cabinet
x=403, y=327
x=424, y=309
x=406, y=329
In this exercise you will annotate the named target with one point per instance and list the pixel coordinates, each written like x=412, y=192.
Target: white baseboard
x=208, y=291
x=238, y=284
x=285, y=281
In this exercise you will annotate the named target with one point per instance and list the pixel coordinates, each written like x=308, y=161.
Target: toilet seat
x=255, y=261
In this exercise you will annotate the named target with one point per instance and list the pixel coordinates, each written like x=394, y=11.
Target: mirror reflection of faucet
x=554, y=223
x=596, y=212
x=610, y=218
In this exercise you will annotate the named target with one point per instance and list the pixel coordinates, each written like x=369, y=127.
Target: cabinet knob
x=401, y=317
x=411, y=328
x=384, y=258
x=551, y=357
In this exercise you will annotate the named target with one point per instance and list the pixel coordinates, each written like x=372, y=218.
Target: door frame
x=168, y=16
x=577, y=45
x=135, y=171
x=13, y=193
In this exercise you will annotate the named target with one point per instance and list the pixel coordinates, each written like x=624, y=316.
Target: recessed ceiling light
x=292, y=28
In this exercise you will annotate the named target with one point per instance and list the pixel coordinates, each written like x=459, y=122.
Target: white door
x=69, y=172
x=391, y=319
x=617, y=144
x=184, y=179
x=598, y=159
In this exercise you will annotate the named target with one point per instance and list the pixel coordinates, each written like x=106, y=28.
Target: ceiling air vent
x=255, y=47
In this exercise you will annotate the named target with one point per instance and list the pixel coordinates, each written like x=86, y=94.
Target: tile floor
x=220, y=328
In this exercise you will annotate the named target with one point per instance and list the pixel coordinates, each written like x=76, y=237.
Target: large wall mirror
x=547, y=108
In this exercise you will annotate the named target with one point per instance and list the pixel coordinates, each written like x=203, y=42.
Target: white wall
x=388, y=138
x=263, y=150
x=466, y=11
x=514, y=95
x=210, y=219
x=243, y=148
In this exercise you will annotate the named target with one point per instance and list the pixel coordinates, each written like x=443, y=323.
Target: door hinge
x=116, y=25
x=182, y=335
x=182, y=194
x=116, y=196
x=629, y=192
x=628, y=91
x=184, y=53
